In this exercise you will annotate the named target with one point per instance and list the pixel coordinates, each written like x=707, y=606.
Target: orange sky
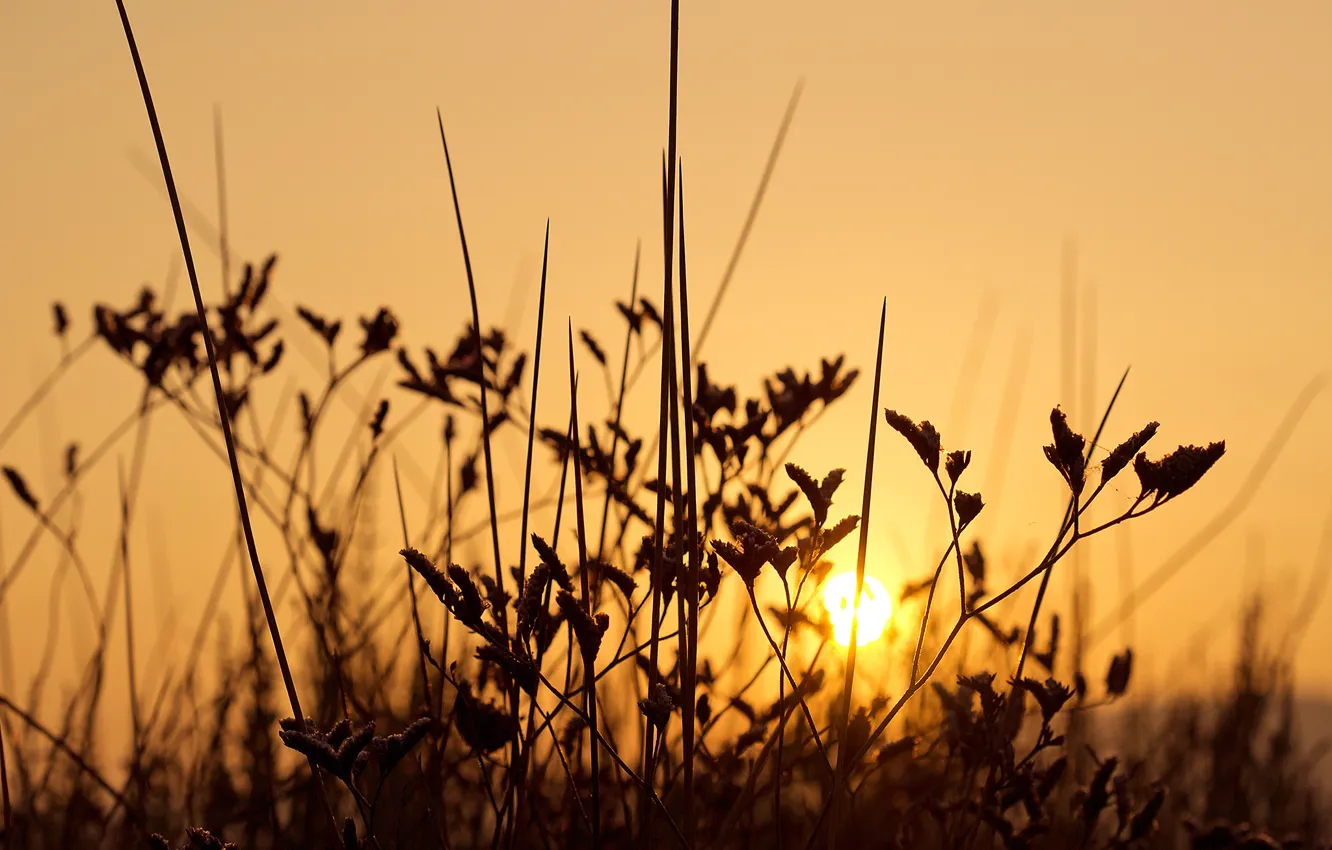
x=940, y=155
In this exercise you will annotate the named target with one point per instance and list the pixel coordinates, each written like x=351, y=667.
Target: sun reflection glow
x=876, y=606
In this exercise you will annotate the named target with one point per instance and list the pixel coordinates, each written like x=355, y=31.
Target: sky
x=943, y=157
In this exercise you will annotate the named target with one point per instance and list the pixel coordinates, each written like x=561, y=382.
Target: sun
x=876, y=606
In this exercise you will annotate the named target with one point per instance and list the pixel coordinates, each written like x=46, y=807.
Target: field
x=661, y=647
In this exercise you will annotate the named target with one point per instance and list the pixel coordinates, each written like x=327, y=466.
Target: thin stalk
x=1074, y=507
x=223, y=241
x=532, y=733
x=677, y=499
x=691, y=525
x=223, y=415
x=532, y=414
x=448, y=545
x=668, y=226
x=135, y=723
x=1180, y=558
x=480, y=366
x=61, y=744
x=589, y=671
x=658, y=550
x=44, y=389
x=520, y=772
x=501, y=613
x=4, y=788
x=619, y=408
x=615, y=756
x=411, y=591
x=844, y=763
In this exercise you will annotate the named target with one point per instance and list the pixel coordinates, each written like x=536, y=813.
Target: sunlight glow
x=876, y=606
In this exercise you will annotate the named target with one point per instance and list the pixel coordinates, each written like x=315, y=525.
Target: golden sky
x=941, y=154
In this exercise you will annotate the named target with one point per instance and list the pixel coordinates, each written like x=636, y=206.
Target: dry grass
x=600, y=695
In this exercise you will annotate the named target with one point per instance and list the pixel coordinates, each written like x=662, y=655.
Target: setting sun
x=875, y=608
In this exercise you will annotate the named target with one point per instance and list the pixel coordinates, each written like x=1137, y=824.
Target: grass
x=608, y=701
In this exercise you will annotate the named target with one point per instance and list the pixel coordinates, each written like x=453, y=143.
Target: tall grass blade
x=222, y=413
x=844, y=761
x=411, y=591
x=480, y=360
x=589, y=674
x=659, y=542
x=690, y=684
x=520, y=770
x=136, y=725
x=751, y=216
x=619, y=405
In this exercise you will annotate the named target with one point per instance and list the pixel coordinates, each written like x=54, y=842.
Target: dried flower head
x=1121, y=670
x=436, y=580
x=593, y=346
x=61, y=318
x=1098, y=792
x=518, y=667
x=377, y=421
x=623, y=582
x=497, y=599
x=956, y=463
x=392, y=749
x=857, y=734
x=1120, y=456
x=818, y=494
x=71, y=460
x=1050, y=695
x=468, y=606
x=531, y=607
x=588, y=629
x=20, y=488
x=657, y=708
x=923, y=438
x=335, y=751
x=710, y=578
x=558, y=572
x=273, y=359
x=327, y=331
x=649, y=312
x=484, y=726
x=968, y=505
x=1177, y=471
x=380, y=331
x=756, y=549
x=1066, y=453
x=974, y=560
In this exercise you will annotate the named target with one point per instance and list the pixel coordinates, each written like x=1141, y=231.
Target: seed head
x=1177, y=471
x=923, y=438
x=819, y=494
x=588, y=629
x=20, y=488
x=1066, y=453
x=1117, y=677
x=956, y=462
x=553, y=563
x=1119, y=458
x=658, y=707
x=484, y=726
x=968, y=505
